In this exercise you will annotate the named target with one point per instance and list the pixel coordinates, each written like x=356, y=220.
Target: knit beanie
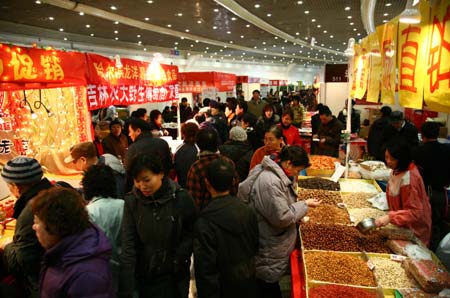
x=237, y=133
x=22, y=170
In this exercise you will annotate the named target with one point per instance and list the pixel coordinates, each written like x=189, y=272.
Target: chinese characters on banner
x=437, y=79
x=387, y=35
x=375, y=68
x=195, y=82
x=412, y=60
x=31, y=68
x=361, y=70
x=135, y=82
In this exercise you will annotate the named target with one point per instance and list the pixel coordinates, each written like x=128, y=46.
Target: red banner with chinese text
x=133, y=82
x=194, y=82
x=387, y=35
x=375, y=69
x=437, y=79
x=31, y=68
x=412, y=60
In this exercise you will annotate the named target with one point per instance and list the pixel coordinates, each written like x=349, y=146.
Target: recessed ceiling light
x=263, y=42
x=349, y=17
x=92, y=34
x=228, y=32
x=169, y=25
x=139, y=42
x=221, y=50
x=233, y=19
x=385, y=21
x=145, y=49
x=386, y=14
x=187, y=30
x=81, y=13
x=65, y=38
x=248, y=25
x=196, y=40
x=149, y=1
x=257, y=5
x=265, y=49
x=147, y=19
x=61, y=29
x=191, y=45
x=347, y=8
x=216, y=10
x=138, y=36
x=269, y=15
x=116, y=23
x=306, y=11
x=354, y=29
x=242, y=36
x=175, y=43
x=297, y=33
x=331, y=36
x=285, y=41
x=88, y=26
x=231, y=41
x=179, y=14
x=214, y=27
x=199, y=21
x=116, y=32
x=319, y=26
x=359, y=34
x=351, y=23
x=274, y=46
x=299, y=2
x=113, y=7
x=388, y=4
x=325, y=31
x=51, y=18
x=38, y=2
x=313, y=20
x=116, y=38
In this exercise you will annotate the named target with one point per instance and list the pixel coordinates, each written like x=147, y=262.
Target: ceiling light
x=196, y=40
x=359, y=34
x=116, y=23
x=191, y=45
x=385, y=14
x=116, y=38
x=51, y=18
x=139, y=42
x=242, y=36
x=169, y=25
x=285, y=41
x=207, y=48
x=265, y=49
x=297, y=33
x=145, y=49
x=138, y=36
x=199, y=22
x=113, y=7
x=347, y=8
x=233, y=19
x=231, y=41
x=313, y=20
x=116, y=32
x=147, y=19
x=88, y=26
x=257, y=5
x=92, y=34
x=263, y=42
x=411, y=14
x=306, y=11
x=61, y=29
x=354, y=29
x=388, y=4
x=331, y=36
x=214, y=27
x=65, y=38
x=221, y=50
x=274, y=45
x=319, y=26
x=385, y=21
x=269, y=15
x=176, y=43
x=349, y=17
x=282, y=48
x=149, y=1
x=351, y=23
x=187, y=30
x=81, y=13
x=299, y=2
x=325, y=31
x=276, y=37
x=248, y=25
x=216, y=10
x=228, y=32
x=38, y=2
x=179, y=14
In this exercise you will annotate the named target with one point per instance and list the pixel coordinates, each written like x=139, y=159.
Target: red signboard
x=247, y=79
x=130, y=82
x=194, y=82
x=278, y=83
x=32, y=68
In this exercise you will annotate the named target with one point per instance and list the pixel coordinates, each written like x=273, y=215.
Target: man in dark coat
x=329, y=133
x=399, y=130
x=433, y=161
x=376, y=133
x=145, y=143
x=225, y=240
x=23, y=255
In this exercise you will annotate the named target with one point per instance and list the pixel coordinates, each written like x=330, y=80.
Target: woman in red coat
x=290, y=132
x=407, y=199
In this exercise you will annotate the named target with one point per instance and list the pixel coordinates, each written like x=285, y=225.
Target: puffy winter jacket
x=273, y=195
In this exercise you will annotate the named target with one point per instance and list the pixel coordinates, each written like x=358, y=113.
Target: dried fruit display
x=318, y=183
x=328, y=214
x=357, y=199
x=357, y=185
x=322, y=162
x=334, y=291
x=327, y=197
x=390, y=274
x=358, y=214
x=341, y=238
x=338, y=268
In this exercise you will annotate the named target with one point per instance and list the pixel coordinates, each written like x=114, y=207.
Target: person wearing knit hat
x=238, y=150
x=23, y=255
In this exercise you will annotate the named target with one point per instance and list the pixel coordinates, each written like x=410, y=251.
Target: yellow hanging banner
x=355, y=77
x=362, y=70
x=387, y=35
x=437, y=79
x=374, y=65
x=412, y=54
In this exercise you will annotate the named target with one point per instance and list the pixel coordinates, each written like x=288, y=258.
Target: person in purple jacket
x=76, y=261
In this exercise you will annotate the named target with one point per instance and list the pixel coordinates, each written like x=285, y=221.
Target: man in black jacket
x=225, y=240
x=23, y=255
x=376, y=133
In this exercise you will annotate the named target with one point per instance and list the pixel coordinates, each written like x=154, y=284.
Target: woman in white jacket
x=271, y=189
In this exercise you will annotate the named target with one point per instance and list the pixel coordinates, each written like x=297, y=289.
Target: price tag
x=370, y=265
x=397, y=258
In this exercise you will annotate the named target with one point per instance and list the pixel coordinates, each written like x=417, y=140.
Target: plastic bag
x=443, y=251
x=379, y=201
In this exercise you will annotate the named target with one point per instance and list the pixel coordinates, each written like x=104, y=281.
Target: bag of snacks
x=431, y=276
x=396, y=233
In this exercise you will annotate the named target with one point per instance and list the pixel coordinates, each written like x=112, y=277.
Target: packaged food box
x=430, y=274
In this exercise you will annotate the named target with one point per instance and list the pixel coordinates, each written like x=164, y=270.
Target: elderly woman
x=76, y=261
x=407, y=199
x=271, y=189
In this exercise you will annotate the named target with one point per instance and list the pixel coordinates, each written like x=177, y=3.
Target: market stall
x=248, y=84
